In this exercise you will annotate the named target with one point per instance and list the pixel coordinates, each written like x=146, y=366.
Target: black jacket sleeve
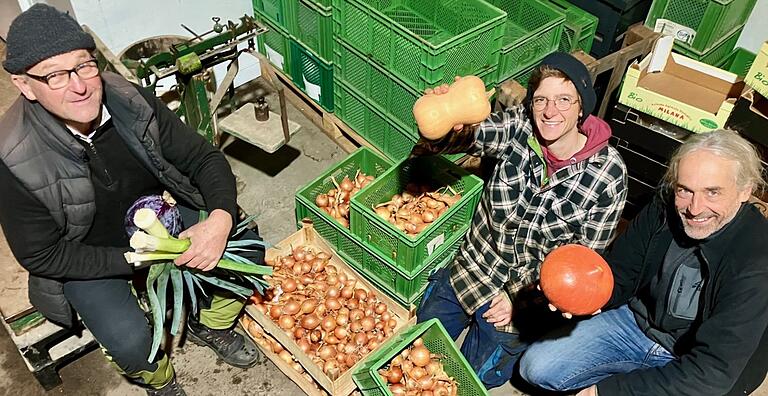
x=36, y=241
x=204, y=164
x=627, y=254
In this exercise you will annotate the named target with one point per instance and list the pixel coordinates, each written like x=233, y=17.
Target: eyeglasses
x=562, y=103
x=60, y=78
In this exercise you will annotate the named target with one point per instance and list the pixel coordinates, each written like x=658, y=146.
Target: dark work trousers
x=493, y=354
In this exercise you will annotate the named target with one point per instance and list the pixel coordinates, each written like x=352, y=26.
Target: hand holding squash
x=464, y=102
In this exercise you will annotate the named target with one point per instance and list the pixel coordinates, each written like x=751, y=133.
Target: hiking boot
x=171, y=389
x=230, y=346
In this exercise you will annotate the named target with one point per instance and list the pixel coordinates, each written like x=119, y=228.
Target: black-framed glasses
x=562, y=103
x=60, y=78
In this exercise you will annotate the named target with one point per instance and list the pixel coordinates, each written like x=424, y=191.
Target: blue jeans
x=491, y=353
x=606, y=344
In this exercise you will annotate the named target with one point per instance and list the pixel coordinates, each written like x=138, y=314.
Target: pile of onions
x=416, y=208
x=335, y=202
x=319, y=306
x=268, y=343
x=416, y=371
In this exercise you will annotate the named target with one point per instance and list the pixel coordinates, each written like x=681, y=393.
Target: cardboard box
x=757, y=77
x=750, y=118
x=687, y=93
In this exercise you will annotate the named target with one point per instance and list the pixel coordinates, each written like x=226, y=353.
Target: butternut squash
x=465, y=103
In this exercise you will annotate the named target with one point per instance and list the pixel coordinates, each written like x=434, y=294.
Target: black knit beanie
x=578, y=74
x=39, y=33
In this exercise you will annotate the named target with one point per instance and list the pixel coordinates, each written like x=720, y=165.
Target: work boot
x=230, y=346
x=171, y=389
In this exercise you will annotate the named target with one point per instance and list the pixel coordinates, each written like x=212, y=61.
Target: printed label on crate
x=679, y=32
x=313, y=90
x=274, y=57
x=435, y=243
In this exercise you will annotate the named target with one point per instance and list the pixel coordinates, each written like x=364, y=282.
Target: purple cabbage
x=165, y=208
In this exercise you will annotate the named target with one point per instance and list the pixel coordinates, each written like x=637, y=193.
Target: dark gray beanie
x=40, y=33
x=578, y=74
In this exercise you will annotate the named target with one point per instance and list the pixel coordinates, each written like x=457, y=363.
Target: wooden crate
x=303, y=383
x=307, y=236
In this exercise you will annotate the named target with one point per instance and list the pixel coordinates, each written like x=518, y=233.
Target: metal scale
x=191, y=61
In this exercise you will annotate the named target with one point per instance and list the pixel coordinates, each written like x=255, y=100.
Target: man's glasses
x=562, y=103
x=60, y=78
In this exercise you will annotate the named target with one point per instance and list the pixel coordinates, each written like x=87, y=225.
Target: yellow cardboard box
x=757, y=77
x=680, y=90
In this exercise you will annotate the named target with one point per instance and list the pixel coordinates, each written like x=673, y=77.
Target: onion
x=308, y=306
x=318, y=264
x=326, y=352
x=291, y=307
x=346, y=184
x=341, y=357
x=368, y=323
x=298, y=332
x=425, y=383
x=420, y=356
x=433, y=367
x=315, y=336
x=343, y=278
x=372, y=344
x=347, y=292
x=321, y=200
x=397, y=389
x=383, y=213
x=360, y=294
x=306, y=279
x=274, y=312
x=356, y=314
x=332, y=304
x=332, y=281
x=285, y=356
x=323, y=256
x=394, y=375
x=340, y=333
x=386, y=316
x=303, y=344
x=342, y=320
x=299, y=253
x=297, y=366
x=328, y=323
x=361, y=338
x=417, y=372
x=286, y=322
x=310, y=321
x=276, y=347
x=380, y=308
x=297, y=268
x=331, y=339
x=350, y=360
x=344, y=311
x=418, y=342
x=355, y=326
x=440, y=390
x=392, y=323
x=306, y=267
x=353, y=303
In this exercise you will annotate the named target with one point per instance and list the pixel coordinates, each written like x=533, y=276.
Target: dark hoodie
x=597, y=132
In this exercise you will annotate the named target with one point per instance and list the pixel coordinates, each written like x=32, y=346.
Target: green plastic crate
x=715, y=55
x=312, y=75
x=323, y=3
x=280, y=12
x=383, y=90
x=275, y=44
x=437, y=340
x=314, y=28
x=523, y=76
x=406, y=289
x=337, y=236
x=738, y=61
x=371, y=123
x=406, y=251
x=711, y=20
x=579, y=28
x=533, y=30
x=424, y=43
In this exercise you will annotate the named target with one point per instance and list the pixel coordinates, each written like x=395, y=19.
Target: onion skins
x=576, y=279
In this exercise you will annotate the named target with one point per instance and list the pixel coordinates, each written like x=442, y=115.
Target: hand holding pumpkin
x=444, y=108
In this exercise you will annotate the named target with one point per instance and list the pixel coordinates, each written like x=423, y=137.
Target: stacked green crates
x=715, y=55
x=314, y=28
x=579, y=28
x=404, y=284
x=533, y=31
x=423, y=43
x=280, y=12
x=437, y=341
x=387, y=53
x=275, y=44
x=312, y=75
x=701, y=27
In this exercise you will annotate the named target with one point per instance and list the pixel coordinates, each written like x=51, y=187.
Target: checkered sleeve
x=499, y=131
x=599, y=228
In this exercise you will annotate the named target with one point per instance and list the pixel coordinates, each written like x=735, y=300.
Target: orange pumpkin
x=576, y=279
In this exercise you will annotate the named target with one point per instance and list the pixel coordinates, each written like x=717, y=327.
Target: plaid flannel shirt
x=519, y=220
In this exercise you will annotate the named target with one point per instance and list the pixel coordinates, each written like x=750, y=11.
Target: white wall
x=120, y=23
x=756, y=30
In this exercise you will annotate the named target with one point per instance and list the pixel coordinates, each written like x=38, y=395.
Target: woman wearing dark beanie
x=556, y=181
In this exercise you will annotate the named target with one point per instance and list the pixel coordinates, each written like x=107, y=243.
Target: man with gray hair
x=690, y=299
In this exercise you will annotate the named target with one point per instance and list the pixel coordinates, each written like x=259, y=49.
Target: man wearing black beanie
x=557, y=181
x=77, y=149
